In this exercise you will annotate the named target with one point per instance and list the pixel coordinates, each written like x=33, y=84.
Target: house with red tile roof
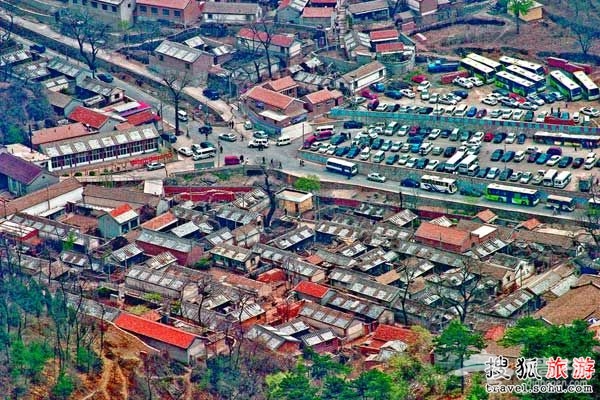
x=284, y=45
x=442, y=237
x=61, y=132
x=387, y=333
x=161, y=222
x=118, y=221
x=389, y=48
x=143, y=117
x=184, y=12
x=180, y=345
x=385, y=35
x=321, y=102
x=311, y=291
x=93, y=119
x=286, y=85
x=21, y=177
x=318, y=16
x=273, y=109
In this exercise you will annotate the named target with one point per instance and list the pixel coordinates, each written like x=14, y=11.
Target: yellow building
x=294, y=202
x=535, y=13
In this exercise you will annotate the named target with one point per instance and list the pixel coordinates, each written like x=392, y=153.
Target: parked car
x=508, y=156
x=538, y=177
x=528, y=106
x=490, y=101
x=396, y=146
x=471, y=112
x=105, y=77
x=424, y=85
x=154, y=165
x=392, y=159
x=341, y=151
x=394, y=94
x=533, y=157
x=493, y=173
x=499, y=137
x=205, y=130
x=553, y=160
x=475, y=81
x=505, y=174
x=367, y=94
x=526, y=177
x=462, y=82
x=461, y=94
x=565, y=161
x=511, y=137
x=519, y=156
x=483, y=172
x=353, y=125
x=488, y=137
x=421, y=163
x=590, y=111
x=38, y=48
x=168, y=137
x=450, y=151
x=516, y=176
x=186, y=151
x=376, y=177
x=585, y=184
x=481, y=113
x=517, y=115
x=497, y=155
x=437, y=151
x=521, y=137
x=543, y=159
x=408, y=182
x=578, y=162
x=378, y=87
x=211, y=94
x=408, y=93
x=228, y=137
x=432, y=165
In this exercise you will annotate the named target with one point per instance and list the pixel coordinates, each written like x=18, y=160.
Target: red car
x=481, y=113
x=367, y=94
x=516, y=97
x=414, y=130
x=488, y=137
x=418, y=78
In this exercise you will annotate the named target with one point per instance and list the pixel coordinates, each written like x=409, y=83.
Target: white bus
x=562, y=179
x=341, y=167
x=436, y=184
x=466, y=163
x=482, y=71
x=495, y=65
x=589, y=88
x=562, y=203
x=549, y=176
x=515, y=83
x=565, y=85
x=538, y=81
x=529, y=66
x=454, y=161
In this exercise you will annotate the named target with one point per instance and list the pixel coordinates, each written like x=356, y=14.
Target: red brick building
x=182, y=58
x=446, y=238
x=321, y=102
x=274, y=108
x=184, y=12
x=306, y=290
x=285, y=85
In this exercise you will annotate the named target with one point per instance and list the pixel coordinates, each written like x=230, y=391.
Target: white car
x=396, y=146
x=423, y=86
x=540, y=117
x=526, y=177
x=511, y=137
x=332, y=148
x=490, y=101
x=475, y=81
x=408, y=93
x=478, y=136
x=433, y=98
x=535, y=100
x=425, y=94
x=186, y=151
x=403, y=159
x=435, y=133
x=463, y=82
x=506, y=114
x=153, y=166
x=517, y=115
x=412, y=162
x=439, y=111
x=590, y=111
x=403, y=130
x=376, y=177
x=528, y=106
x=519, y=156
x=432, y=165
x=552, y=161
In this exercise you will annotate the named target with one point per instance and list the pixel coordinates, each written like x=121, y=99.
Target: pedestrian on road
x=271, y=163
x=264, y=161
x=221, y=149
x=280, y=168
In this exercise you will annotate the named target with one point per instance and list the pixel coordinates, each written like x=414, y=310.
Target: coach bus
x=436, y=184
x=527, y=65
x=566, y=139
x=565, y=85
x=561, y=203
x=341, y=167
x=589, y=88
x=512, y=195
x=495, y=65
x=483, y=72
x=514, y=83
x=538, y=81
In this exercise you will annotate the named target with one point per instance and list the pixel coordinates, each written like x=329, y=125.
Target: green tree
x=293, y=385
x=459, y=342
x=477, y=390
x=309, y=183
x=518, y=8
x=377, y=385
x=64, y=386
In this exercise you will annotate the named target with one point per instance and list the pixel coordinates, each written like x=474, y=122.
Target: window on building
x=210, y=16
x=137, y=147
x=95, y=155
x=166, y=12
x=81, y=158
x=114, y=8
x=187, y=65
x=154, y=10
x=109, y=152
x=160, y=57
x=123, y=150
x=104, y=7
x=143, y=9
x=177, y=13
x=94, y=4
x=248, y=17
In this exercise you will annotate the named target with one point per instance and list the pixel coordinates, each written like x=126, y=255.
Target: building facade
x=109, y=11
x=184, y=12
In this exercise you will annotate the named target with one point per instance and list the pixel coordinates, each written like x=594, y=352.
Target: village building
x=141, y=280
x=295, y=240
x=96, y=93
x=185, y=251
x=61, y=132
x=231, y=13
x=21, y=177
x=234, y=258
x=362, y=77
x=179, y=57
x=181, y=12
x=286, y=85
x=114, y=12
x=321, y=317
x=321, y=102
x=369, y=10
x=119, y=221
x=274, y=109
x=294, y=202
x=322, y=341
x=274, y=339
x=318, y=16
x=281, y=45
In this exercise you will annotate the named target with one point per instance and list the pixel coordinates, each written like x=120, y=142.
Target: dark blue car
x=411, y=183
x=471, y=111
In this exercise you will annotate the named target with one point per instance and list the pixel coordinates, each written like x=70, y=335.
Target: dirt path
x=112, y=384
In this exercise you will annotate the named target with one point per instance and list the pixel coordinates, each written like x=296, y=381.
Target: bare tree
x=460, y=287
x=267, y=187
x=585, y=34
x=253, y=46
x=263, y=34
x=206, y=288
x=91, y=35
x=591, y=219
x=175, y=82
x=407, y=275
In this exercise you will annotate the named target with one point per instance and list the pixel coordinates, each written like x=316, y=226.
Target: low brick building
x=184, y=12
x=182, y=58
x=322, y=101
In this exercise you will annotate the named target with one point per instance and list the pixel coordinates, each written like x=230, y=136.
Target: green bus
x=512, y=195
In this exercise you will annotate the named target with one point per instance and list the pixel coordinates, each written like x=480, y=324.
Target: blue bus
x=341, y=167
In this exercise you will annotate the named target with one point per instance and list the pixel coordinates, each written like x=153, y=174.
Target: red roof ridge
x=122, y=209
x=155, y=330
x=88, y=116
x=311, y=289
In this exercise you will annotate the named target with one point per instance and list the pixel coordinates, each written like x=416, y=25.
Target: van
x=473, y=170
x=391, y=128
x=283, y=140
x=309, y=141
x=454, y=134
x=365, y=154
x=204, y=153
x=182, y=115
x=576, y=117
x=258, y=143
x=323, y=128
x=378, y=156
x=460, y=110
x=232, y=160
x=425, y=148
x=323, y=135
x=562, y=179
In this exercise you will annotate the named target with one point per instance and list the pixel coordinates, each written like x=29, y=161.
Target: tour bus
x=454, y=161
x=538, y=81
x=589, y=88
x=565, y=85
x=495, y=65
x=562, y=179
x=341, y=167
x=483, y=72
x=436, y=184
x=562, y=203
x=466, y=163
x=527, y=65
x=549, y=176
x=515, y=83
